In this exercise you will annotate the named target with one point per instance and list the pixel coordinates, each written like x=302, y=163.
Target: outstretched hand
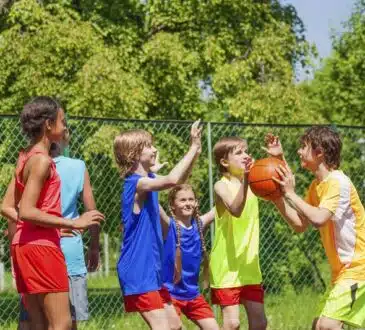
x=287, y=179
x=155, y=168
x=196, y=134
x=88, y=219
x=273, y=146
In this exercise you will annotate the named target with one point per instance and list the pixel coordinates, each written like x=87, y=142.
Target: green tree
x=338, y=90
x=156, y=59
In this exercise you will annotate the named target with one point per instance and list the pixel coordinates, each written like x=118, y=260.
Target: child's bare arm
x=38, y=168
x=291, y=216
x=8, y=207
x=208, y=218
x=155, y=168
x=165, y=221
x=179, y=173
x=314, y=215
x=93, y=257
x=234, y=204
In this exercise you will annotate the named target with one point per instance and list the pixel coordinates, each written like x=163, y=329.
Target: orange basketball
x=260, y=178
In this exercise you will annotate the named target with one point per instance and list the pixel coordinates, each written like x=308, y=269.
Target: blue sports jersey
x=140, y=262
x=191, y=255
x=72, y=174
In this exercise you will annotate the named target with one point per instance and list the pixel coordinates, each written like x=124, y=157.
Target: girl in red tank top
x=33, y=202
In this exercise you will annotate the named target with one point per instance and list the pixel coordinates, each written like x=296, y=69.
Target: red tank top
x=49, y=201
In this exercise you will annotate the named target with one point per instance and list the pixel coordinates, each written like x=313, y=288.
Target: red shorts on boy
x=144, y=302
x=235, y=296
x=39, y=269
x=195, y=309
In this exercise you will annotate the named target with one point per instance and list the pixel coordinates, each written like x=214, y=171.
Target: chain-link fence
x=287, y=260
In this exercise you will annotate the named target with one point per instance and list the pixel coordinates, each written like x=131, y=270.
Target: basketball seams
x=261, y=182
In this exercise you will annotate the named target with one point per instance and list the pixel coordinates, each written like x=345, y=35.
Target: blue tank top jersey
x=140, y=263
x=72, y=174
x=191, y=255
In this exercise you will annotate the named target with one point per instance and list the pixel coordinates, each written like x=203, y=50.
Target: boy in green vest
x=235, y=274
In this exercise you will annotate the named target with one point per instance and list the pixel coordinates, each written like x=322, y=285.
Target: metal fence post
x=210, y=173
x=106, y=255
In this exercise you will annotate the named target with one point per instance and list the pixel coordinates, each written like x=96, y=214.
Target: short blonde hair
x=225, y=146
x=128, y=147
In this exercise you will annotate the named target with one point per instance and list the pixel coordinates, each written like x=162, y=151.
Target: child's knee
x=232, y=324
x=260, y=324
x=64, y=324
x=176, y=325
x=328, y=324
x=175, y=322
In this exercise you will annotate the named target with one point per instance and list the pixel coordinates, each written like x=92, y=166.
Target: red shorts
x=195, y=309
x=236, y=296
x=143, y=302
x=39, y=269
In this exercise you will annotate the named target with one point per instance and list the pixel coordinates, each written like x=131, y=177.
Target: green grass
x=288, y=311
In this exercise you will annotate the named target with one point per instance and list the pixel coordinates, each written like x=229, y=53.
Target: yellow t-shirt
x=234, y=259
x=343, y=236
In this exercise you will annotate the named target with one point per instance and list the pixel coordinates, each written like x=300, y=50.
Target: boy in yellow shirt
x=235, y=274
x=332, y=205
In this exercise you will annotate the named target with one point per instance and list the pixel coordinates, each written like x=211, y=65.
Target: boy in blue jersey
x=75, y=182
x=140, y=264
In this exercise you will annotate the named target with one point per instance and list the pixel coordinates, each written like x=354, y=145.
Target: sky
x=320, y=17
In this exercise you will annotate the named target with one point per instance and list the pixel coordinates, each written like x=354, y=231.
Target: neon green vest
x=234, y=259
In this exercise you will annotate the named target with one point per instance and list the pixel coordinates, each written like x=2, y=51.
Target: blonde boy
x=140, y=263
x=234, y=264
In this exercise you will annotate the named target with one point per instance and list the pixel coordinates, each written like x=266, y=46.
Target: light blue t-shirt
x=72, y=173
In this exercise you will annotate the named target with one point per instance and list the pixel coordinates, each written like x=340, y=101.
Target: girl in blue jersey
x=140, y=263
x=184, y=248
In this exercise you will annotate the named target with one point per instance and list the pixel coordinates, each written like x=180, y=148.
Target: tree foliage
x=338, y=89
x=222, y=60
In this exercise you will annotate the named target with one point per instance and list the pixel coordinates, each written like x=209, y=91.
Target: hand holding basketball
x=286, y=179
x=248, y=165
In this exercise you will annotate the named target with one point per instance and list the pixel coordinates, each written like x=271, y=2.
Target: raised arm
x=273, y=147
x=165, y=221
x=208, y=218
x=180, y=172
x=93, y=255
x=36, y=172
x=234, y=203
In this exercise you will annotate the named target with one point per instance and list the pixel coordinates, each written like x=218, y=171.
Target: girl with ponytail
x=184, y=249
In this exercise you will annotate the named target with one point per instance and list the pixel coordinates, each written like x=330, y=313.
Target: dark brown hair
x=327, y=140
x=178, y=266
x=35, y=113
x=223, y=147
